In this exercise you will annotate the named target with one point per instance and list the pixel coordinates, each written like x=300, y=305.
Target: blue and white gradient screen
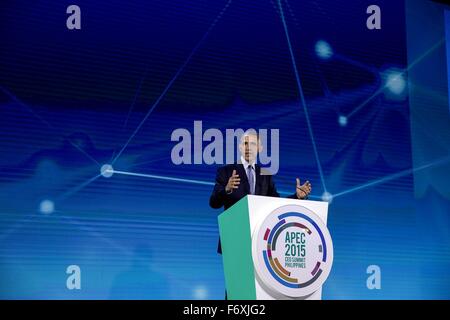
x=92, y=204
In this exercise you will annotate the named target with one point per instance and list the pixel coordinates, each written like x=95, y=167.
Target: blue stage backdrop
x=362, y=114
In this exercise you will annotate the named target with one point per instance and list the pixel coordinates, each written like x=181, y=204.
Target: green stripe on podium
x=235, y=237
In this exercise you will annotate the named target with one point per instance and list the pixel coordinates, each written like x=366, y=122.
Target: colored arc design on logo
x=292, y=252
x=279, y=273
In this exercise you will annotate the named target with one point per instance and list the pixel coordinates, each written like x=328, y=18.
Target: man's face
x=249, y=147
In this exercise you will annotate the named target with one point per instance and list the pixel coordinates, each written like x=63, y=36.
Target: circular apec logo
x=292, y=252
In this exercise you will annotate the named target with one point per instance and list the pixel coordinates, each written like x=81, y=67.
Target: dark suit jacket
x=264, y=186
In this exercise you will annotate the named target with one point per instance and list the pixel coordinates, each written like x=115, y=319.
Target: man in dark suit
x=235, y=181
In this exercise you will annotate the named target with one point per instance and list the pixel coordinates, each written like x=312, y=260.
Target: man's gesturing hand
x=233, y=182
x=303, y=190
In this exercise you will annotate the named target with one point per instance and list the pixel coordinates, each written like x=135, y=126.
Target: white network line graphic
x=385, y=179
x=169, y=85
x=302, y=97
x=13, y=97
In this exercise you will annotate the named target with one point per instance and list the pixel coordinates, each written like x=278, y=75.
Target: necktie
x=251, y=179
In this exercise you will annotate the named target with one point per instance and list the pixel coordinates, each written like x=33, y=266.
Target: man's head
x=250, y=145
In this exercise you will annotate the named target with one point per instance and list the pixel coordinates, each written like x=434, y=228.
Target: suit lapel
x=258, y=180
x=244, y=181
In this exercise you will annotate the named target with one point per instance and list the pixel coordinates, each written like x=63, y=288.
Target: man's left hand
x=303, y=190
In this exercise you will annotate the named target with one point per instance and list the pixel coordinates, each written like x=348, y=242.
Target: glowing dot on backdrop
x=343, y=121
x=200, y=293
x=107, y=170
x=323, y=50
x=327, y=197
x=46, y=207
x=394, y=83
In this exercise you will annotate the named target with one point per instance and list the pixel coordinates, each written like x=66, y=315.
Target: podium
x=275, y=248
